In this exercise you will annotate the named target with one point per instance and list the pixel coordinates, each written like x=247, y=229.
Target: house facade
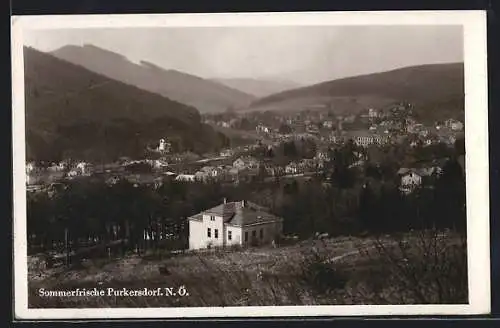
x=364, y=140
x=185, y=177
x=292, y=168
x=207, y=173
x=455, y=125
x=412, y=178
x=246, y=162
x=410, y=181
x=226, y=153
x=233, y=223
x=372, y=113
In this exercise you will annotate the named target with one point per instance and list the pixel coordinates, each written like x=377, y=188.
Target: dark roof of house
x=237, y=214
x=422, y=171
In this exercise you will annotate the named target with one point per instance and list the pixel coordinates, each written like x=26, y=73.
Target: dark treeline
x=353, y=205
x=347, y=199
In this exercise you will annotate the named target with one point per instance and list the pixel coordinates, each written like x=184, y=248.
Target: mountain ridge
x=423, y=85
x=203, y=94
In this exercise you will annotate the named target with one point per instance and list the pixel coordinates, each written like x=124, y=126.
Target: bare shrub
x=319, y=273
x=423, y=267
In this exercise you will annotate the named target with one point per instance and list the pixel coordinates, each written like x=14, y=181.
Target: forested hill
x=204, y=94
x=73, y=112
x=436, y=90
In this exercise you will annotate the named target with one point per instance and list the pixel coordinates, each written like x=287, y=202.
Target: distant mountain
x=205, y=95
x=73, y=112
x=436, y=90
x=258, y=87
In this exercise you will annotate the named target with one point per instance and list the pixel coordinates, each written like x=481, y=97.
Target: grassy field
x=347, y=270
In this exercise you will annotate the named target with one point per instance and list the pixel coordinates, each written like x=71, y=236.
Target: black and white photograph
x=218, y=165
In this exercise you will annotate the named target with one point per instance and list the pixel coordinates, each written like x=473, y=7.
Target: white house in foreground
x=233, y=223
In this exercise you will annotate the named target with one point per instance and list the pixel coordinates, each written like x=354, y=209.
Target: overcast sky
x=301, y=54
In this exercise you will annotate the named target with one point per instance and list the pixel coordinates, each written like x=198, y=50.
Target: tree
x=450, y=197
x=460, y=146
x=367, y=211
x=245, y=124
x=308, y=148
x=373, y=171
x=262, y=175
x=343, y=175
x=285, y=129
x=290, y=150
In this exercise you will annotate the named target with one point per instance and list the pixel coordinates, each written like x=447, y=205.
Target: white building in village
x=246, y=162
x=372, y=113
x=233, y=223
x=454, y=125
x=30, y=168
x=411, y=178
x=185, y=177
x=164, y=146
x=82, y=167
x=410, y=181
x=226, y=153
x=262, y=128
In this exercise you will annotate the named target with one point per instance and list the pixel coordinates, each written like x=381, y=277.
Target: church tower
x=162, y=145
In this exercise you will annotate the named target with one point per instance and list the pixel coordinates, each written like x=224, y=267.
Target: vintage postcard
x=250, y=165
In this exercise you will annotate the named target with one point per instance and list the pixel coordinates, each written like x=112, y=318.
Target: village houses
x=185, y=177
x=372, y=113
x=81, y=169
x=292, y=168
x=262, y=128
x=208, y=173
x=328, y=124
x=226, y=153
x=366, y=138
x=455, y=125
x=246, y=162
x=164, y=146
x=233, y=223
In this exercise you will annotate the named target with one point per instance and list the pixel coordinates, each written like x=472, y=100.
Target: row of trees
x=96, y=213
x=373, y=206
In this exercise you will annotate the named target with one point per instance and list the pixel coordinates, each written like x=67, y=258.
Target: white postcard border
x=477, y=160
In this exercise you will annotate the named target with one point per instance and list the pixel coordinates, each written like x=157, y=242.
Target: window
x=212, y=218
x=254, y=233
x=246, y=235
x=209, y=233
x=261, y=233
x=216, y=233
x=229, y=235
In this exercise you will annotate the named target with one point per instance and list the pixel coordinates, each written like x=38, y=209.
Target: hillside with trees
x=205, y=95
x=72, y=112
x=436, y=90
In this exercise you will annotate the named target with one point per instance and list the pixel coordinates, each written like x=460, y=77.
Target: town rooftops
x=241, y=213
x=361, y=133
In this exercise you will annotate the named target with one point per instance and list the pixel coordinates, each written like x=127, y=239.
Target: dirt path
x=355, y=252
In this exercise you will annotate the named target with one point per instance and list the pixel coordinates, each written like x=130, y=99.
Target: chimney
x=225, y=200
x=243, y=203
